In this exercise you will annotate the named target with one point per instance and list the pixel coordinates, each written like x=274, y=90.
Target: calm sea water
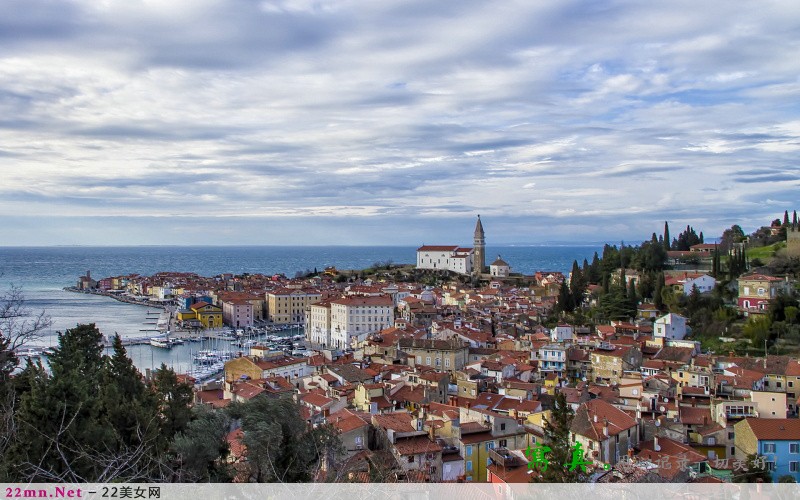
x=43, y=272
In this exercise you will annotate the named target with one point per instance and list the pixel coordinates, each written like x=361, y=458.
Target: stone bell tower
x=479, y=249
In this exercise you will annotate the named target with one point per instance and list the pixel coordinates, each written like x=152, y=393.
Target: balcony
x=504, y=458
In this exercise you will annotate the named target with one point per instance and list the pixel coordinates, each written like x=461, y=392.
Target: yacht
x=164, y=343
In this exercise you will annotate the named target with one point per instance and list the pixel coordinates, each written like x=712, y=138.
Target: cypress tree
x=564, y=303
x=666, y=236
x=658, y=301
x=594, y=270
x=743, y=265
x=794, y=218
x=633, y=300
x=577, y=286
x=785, y=218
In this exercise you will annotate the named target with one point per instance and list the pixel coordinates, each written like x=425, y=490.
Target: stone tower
x=793, y=240
x=479, y=249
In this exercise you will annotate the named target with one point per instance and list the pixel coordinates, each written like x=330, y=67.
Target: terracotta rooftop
x=775, y=428
x=346, y=421
x=585, y=423
x=416, y=445
x=399, y=422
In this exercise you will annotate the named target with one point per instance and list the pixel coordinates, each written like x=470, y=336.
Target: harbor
x=198, y=354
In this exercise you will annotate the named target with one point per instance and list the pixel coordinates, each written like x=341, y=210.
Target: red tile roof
x=775, y=428
x=584, y=421
x=416, y=445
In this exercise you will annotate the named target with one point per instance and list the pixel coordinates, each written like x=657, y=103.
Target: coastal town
x=449, y=370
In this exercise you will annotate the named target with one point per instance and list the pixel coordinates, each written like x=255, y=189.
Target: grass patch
x=765, y=253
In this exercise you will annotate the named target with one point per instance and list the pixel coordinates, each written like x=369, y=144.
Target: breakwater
x=119, y=297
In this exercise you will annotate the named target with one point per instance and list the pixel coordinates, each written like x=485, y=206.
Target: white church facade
x=454, y=258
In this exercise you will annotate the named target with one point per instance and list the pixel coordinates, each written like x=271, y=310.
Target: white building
x=355, y=317
x=499, y=268
x=318, y=323
x=671, y=326
x=445, y=258
x=704, y=284
x=553, y=358
x=561, y=333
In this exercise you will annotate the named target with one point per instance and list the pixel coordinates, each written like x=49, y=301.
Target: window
x=411, y=459
x=427, y=360
x=469, y=451
x=778, y=385
x=769, y=447
x=447, y=362
x=490, y=445
x=770, y=466
x=793, y=467
x=502, y=427
x=794, y=447
x=730, y=435
x=469, y=465
x=503, y=443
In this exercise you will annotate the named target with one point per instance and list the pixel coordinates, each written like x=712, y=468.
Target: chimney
x=595, y=419
x=605, y=427
x=655, y=444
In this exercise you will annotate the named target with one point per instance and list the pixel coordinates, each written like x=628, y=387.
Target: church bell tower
x=479, y=249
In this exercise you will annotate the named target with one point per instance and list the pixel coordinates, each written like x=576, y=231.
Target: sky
x=395, y=122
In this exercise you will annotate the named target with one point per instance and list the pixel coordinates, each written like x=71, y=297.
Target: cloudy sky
x=394, y=121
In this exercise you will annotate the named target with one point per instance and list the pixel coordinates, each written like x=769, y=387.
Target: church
x=454, y=258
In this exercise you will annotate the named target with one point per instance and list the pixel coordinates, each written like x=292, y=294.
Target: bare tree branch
x=18, y=324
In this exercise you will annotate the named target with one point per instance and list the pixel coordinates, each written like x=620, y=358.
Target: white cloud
x=301, y=108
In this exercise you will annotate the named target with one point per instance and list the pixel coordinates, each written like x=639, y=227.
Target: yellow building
x=209, y=315
x=288, y=305
x=481, y=431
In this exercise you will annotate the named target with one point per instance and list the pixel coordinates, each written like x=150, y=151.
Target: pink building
x=237, y=313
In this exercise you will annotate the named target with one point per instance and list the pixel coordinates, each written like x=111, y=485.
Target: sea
x=42, y=273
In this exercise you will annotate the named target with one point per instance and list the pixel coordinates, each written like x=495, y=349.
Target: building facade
x=355, y=317
x=288, y=305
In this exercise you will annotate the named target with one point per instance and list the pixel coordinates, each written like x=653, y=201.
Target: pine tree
x=131, y=407
x=60, y=421
x=280, y=446
x=175, y=399
x=556, y=436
